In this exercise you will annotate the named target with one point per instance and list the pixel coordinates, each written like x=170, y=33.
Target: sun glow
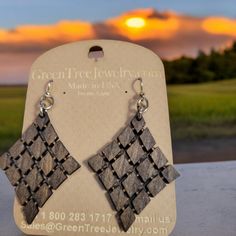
x=220, y=25
x=135, y=22
x=143, y=24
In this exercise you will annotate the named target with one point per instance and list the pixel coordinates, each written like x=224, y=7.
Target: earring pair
x=131, y=168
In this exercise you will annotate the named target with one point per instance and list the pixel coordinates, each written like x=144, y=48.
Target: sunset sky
x=170, y=28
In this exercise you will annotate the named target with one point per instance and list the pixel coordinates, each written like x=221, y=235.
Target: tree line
x=218, y=65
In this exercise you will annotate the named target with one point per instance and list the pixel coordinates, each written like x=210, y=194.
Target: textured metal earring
x=131, y=168
x=38, y=162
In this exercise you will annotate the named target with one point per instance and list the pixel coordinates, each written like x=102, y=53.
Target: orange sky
x=169, y=34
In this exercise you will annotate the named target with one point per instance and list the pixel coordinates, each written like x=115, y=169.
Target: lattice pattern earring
x=131, y=168
x=38, y=162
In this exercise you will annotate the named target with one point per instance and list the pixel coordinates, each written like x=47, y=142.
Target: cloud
x=169, y=34
x=38, y=37
x=220, y=26
x=159, y=31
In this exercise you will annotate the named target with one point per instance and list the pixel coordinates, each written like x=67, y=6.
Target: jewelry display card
x=95, y=92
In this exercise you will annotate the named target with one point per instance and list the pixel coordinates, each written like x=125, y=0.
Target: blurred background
x=195, y=39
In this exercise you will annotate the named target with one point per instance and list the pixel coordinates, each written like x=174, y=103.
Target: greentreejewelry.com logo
x=53, y=228
x=96, y=73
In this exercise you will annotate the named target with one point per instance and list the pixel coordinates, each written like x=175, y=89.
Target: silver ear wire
x=47, y=100
x=49, y=87
x=142, y=103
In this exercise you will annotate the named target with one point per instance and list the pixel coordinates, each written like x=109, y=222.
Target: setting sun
x=135, y=22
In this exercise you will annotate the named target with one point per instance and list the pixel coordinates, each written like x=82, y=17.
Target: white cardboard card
x=93, y=102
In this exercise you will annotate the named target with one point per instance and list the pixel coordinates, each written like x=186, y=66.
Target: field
x=196, y=111
x=12, y=101
x=204, y=110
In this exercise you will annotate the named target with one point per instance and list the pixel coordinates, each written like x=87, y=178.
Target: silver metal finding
x=141, y=86
x=142, y=103
x=49, y=86
x=47, y=101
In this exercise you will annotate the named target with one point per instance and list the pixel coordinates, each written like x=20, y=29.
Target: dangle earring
x=38, y=162
x=131, y=168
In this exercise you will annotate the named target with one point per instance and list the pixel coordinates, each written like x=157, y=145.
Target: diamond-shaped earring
x=131, y=168
x=38, y=163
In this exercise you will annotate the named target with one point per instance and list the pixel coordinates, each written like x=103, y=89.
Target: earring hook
x=46, y=101
x=141, y=86
x=142, y=103
x=49, y=87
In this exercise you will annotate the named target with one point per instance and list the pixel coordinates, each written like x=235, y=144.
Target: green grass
x=196, y=111
x=12, y=101
x=204, y=110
